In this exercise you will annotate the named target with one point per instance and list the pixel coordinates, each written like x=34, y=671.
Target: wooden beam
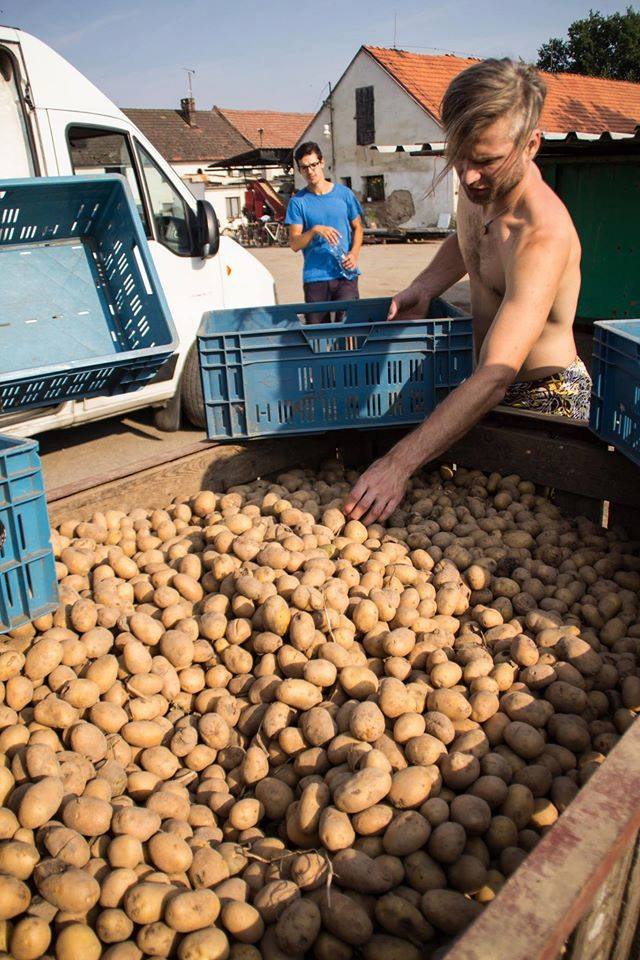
x=595, y=935
x=630, y=916
x=550, y=451
x=543, y=901
x=155, y=483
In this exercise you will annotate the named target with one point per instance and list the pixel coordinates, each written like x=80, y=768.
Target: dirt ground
x=111, y=444
x=386, y=269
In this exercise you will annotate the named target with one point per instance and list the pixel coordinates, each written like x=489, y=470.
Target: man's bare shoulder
x=546, y=213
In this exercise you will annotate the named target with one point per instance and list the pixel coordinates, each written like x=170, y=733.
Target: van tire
x=191, y=389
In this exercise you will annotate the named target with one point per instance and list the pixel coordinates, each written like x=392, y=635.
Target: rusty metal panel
x=543, y=901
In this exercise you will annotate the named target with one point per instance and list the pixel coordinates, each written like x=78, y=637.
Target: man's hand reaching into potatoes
x=378, y=491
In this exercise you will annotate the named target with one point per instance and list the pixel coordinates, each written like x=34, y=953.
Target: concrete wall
x=410, y=200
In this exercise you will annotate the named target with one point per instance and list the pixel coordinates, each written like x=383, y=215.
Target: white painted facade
x=398, y=119
x=227, y=199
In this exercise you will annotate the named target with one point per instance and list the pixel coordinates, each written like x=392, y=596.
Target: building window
x=346, y=181
x=233, y=208
x=373, y=188
x=365, y=124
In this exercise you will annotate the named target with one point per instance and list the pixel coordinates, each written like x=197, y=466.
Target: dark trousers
x=323, y=291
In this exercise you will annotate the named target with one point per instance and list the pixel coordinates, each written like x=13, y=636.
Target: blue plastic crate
x=82, y=312
x=28, y=585
x=615, y=399
x=264, y=372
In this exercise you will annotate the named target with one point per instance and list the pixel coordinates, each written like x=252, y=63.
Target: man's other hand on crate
x=517, y=242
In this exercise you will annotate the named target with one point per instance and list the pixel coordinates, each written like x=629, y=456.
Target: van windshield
x=15, y=150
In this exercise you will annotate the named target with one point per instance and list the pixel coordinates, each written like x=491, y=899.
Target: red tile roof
x=279, y=130
x=214, y=138
x=574, y=102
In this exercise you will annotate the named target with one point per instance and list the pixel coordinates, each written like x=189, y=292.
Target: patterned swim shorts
x=565, y=394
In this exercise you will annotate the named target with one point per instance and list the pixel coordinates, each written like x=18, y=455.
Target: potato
x=524, y=739
x=30, y=938
x=207, y=868
x=447, y=842
x=298, y=927
x=344, y=918
x=15, y=897
x=468, y=874
x=335, y=830
x=382, y=946
x=449, y=911
x=192, y=910
x=362, y=790
x=355, y=870
x=400, y=918
x=207, y=944
x=68, y=888
x=299, y=694
x=40, y=802
x=113, y=926
x=472, y=813
x=331, y=735
x=411, y=786
x=170, y=854
x=77, y=940
x=145, y=902
x=407, y=832
x=310, y=870
x=135, y=822
x=274, y=897
x=89, y=816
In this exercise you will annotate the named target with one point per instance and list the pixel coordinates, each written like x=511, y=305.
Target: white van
x=54, y=122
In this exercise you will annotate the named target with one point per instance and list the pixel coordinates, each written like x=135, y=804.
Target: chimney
x=188, y=107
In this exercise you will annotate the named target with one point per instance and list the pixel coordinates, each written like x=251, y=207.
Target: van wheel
x=191, y=389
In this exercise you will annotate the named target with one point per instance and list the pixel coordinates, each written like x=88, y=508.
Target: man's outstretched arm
x=446, y=268
x=532, y=281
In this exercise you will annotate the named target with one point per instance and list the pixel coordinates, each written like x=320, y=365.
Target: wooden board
x=543, y=901
x=155, y=483
x=563, y=455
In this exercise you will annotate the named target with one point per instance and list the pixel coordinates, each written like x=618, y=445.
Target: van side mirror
x=208, y=230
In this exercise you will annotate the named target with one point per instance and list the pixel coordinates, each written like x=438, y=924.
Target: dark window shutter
x=365, y=124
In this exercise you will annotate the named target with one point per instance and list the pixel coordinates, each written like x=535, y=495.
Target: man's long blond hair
x=485, y=92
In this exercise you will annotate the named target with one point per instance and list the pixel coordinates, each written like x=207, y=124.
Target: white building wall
x=398, y=119
x=217, y=197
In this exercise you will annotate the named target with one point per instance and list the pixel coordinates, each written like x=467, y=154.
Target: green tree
x=598, y=46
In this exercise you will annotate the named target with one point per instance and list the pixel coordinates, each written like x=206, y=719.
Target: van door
x=17, y=147
x=191, y=285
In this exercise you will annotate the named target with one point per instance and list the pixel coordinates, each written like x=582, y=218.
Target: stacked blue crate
x=615, y=399
x=28, y=586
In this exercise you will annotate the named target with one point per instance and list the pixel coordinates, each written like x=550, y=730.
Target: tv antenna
x=395, y=29
x=190, y=74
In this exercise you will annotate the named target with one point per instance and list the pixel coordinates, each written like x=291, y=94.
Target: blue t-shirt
x=334, y=209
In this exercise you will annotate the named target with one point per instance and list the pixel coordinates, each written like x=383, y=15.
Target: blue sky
x=276, y=55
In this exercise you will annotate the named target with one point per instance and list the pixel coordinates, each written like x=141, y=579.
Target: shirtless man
x=517, y=242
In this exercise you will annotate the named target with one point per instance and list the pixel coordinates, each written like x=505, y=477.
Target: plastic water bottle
x=338, y=251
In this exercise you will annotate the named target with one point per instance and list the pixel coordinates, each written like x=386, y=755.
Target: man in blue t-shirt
x=325, y=222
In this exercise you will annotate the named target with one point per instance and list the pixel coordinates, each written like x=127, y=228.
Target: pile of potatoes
x=254, y=729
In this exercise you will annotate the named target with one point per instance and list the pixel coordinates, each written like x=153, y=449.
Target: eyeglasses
x=306, y=167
